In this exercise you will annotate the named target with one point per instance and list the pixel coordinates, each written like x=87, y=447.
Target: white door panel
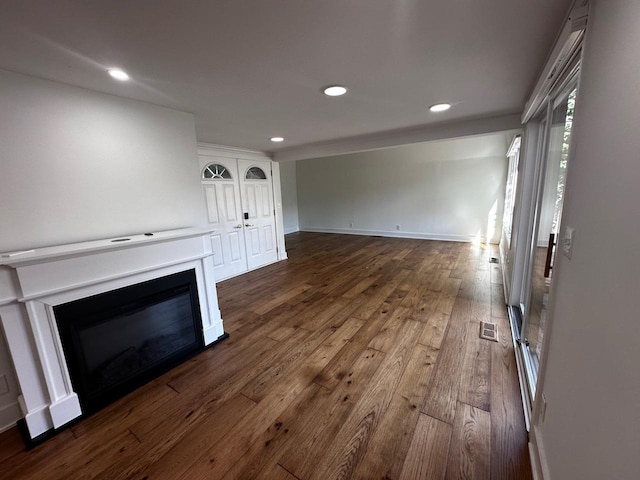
x=212, y=204
x=268, y=241
x=251, y=200
x=236, y=244
x=257, y=203
x=267, y=209
x=216, y=244
x=232, y=207
x=254, y=242
x=222, y=195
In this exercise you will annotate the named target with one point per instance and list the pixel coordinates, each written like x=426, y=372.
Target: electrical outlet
x=567, y=242
x=397, y=227
x=351, y=225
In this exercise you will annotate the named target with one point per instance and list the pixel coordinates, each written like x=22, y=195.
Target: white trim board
x=569, y=41
x=539, y=465
x=394, y=234
x=288, y=230
x=213, y=150
x=9, y=415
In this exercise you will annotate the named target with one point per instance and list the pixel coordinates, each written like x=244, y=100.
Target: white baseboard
x=9, y=415
x=293, y=229
x=539, y=465
x=535, y=465
x=394, y=234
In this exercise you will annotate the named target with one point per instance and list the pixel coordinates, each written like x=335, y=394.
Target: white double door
x=239, y=197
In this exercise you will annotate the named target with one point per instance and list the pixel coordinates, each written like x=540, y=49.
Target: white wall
x=79, y=165
x=449, y=189
x=591, y=430
x=289, y=196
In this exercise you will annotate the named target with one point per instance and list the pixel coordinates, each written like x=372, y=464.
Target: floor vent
x=493, y=260
x=489, y=331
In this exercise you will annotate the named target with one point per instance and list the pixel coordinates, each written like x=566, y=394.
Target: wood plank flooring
x=358, y=357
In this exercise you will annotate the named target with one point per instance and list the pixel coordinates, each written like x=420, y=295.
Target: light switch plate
x=567, y=242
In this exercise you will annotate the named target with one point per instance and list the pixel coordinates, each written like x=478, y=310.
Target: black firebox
x=117, y=341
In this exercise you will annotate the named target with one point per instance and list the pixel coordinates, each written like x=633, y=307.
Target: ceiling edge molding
x=394, y=138
x=214, y=150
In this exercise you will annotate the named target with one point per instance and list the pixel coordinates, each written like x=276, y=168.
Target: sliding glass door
x=553, y=151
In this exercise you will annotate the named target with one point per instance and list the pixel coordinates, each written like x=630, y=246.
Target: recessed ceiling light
x=118, y=74
x=440, y=107
x=277, y=139
x=335, y=91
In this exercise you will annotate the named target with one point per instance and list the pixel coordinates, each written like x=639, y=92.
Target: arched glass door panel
x=215, y=171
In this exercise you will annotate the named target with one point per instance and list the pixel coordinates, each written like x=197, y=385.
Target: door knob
x=248, y=224
x=238, y=226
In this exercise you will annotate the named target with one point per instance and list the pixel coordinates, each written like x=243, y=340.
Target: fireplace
x=116, y=341
x=153, y=296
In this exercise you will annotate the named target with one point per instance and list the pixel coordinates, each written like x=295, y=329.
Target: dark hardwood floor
x=359, y=357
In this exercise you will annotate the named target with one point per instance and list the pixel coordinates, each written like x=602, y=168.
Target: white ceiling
x=252, y=69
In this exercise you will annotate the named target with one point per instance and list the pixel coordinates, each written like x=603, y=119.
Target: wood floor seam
x=248, y=398
x=135, y=436
x=435, y=417
x=171, y=387
x=473, y=406
x=290, y=473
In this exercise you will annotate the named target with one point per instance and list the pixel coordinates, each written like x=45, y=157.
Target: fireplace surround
x=45, y=282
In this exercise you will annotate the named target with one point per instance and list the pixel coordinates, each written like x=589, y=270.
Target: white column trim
x=277, y=202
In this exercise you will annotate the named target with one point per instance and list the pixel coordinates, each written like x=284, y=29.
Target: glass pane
x=255, y=173
x=510, y=194
x=215, y=171
x=550, y=215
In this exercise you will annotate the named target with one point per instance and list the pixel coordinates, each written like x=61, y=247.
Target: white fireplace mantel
x=43, y=278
